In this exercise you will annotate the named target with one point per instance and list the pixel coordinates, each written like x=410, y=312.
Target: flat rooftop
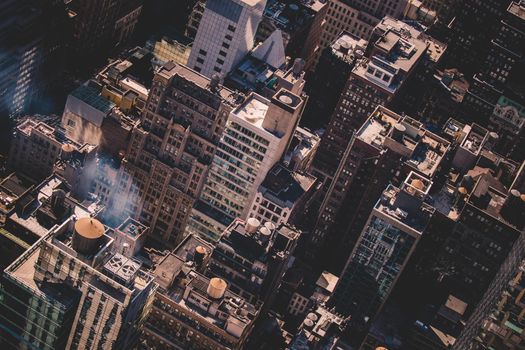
x=285, y=187
x=424, y=149
x=348, y=47
x=171, y=69
x=517, y=9
x=475, y=139
x=394, y=204
x=253, y=110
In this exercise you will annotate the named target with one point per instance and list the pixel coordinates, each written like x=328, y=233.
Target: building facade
x=225, y=35
x=256, y=136
x=170, y=152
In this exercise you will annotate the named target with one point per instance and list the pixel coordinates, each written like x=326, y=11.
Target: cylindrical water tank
x=87, y=234
x=216, y=288
x=252, y=224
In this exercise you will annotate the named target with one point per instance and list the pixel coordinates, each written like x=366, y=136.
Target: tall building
x=385, y=149
x=374, y=81
x=99, y=25
x=170, y=152
x=255, y=138
x=32, y=41
x=192, y=310
x=329, y=79
x=501, y=328
x=470, y=31
x=497, y=84
x=225, y=35
x=70, y=290
x=391, y=234
x=253, y=258
x=357, y=17
x=35, y=147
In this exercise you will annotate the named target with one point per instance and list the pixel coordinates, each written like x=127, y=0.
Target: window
x=202, y=52
x=225, y=45
x=217, y=69
x=222, y=53
x=231, y=28
x=219, y=61
x=200, y=60
x=228, y=37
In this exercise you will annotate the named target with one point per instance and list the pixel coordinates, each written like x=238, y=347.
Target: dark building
x=329, y=79
x=385, y=149
x=100, y=25
x=470, y=32
x=499, y=82
x=374, y=81
x=253, y=257
x=33, y=38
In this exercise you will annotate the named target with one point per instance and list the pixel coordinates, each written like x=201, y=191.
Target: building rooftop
x=320, y=325
x=285, y=187
x=454, y=82
x=385, y=129
x=517, y=9
x=406, y=205
x=112, y=273
x=291, y=17
x=212, y=303
x=171, y=69
x=253, y=110
x=394, y=55
x=475, y=139
x=348, y=47
x=40, y=212
x=93, y=98
x=132, y=228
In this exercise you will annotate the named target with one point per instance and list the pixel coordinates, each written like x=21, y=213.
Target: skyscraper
x=171, y=150
x=391, y=234
x=225, y=35
x=255, y=138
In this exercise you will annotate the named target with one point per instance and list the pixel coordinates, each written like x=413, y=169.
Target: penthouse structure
x=265, y=70
x=302, y=150
x=71, y=290
x=255, y=138
x=385, y=149
x=191, y=309
x=321, y=327
x=391, y=234
x=283, y=196
x=253, y=258
x=169, y=154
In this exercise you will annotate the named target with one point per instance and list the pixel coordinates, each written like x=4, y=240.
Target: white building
x=226, y=34
x=255, y=138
